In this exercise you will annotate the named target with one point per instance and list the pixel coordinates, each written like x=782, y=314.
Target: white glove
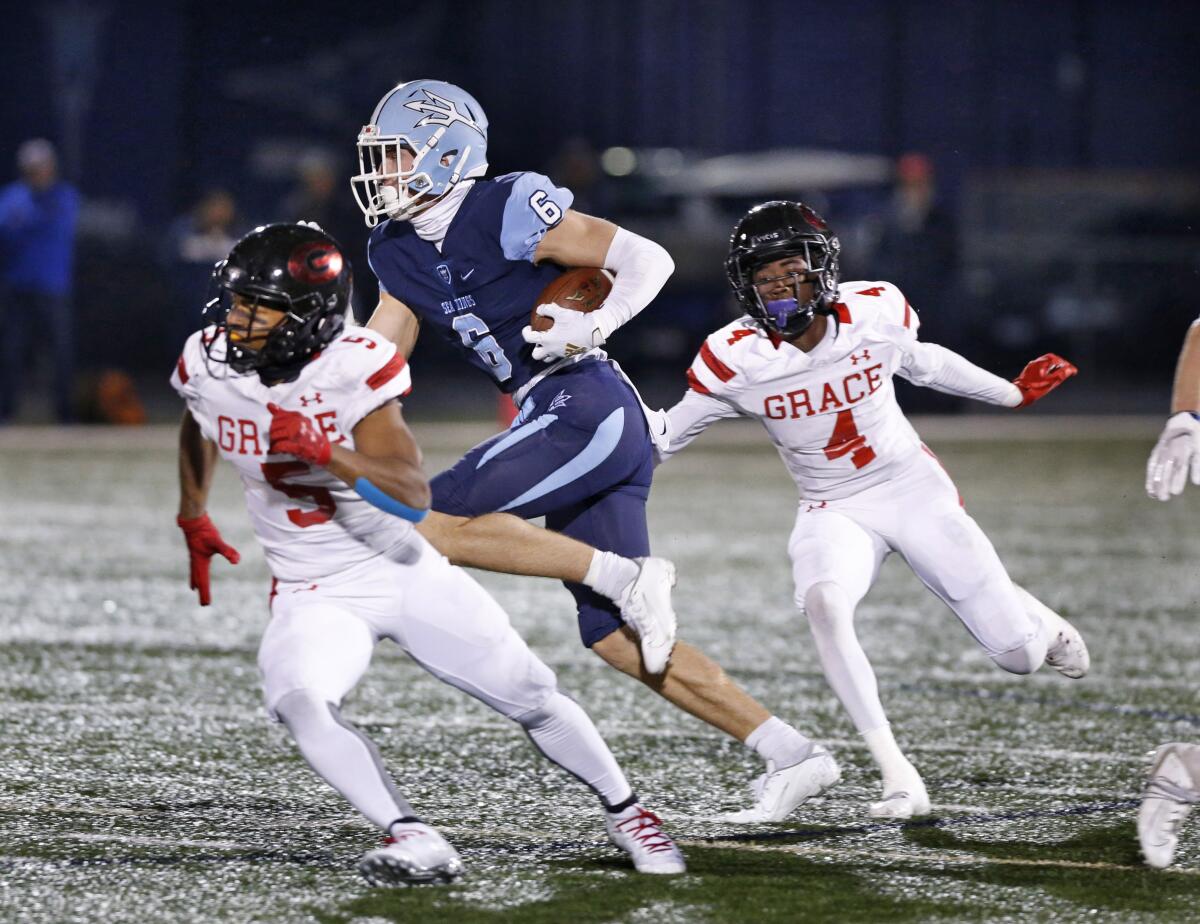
x=573, y=332
x=1177, y=450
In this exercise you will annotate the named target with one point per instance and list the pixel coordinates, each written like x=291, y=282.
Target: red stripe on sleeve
x=387, y=372
x=181, y=368
x=695, y=384
x=843, y=313
x=718, y=368
x=907, y=314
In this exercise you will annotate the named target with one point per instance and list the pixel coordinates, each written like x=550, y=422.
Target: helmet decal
x=442, y=111
x=314, y=263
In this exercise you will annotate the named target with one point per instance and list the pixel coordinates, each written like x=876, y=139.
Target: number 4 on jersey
x=846, y=440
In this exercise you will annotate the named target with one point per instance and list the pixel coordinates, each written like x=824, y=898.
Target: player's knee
x=304, y=708
x=827, y=606
x=1024, y=659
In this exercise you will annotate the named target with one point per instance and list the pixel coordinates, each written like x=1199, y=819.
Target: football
x=582, y=289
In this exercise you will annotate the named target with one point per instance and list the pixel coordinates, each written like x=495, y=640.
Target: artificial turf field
x=141, y=781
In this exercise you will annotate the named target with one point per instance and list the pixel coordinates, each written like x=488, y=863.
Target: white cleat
x=413, y=854
x=900, y=804
x=639, y=833
x=779, y=792
x=1068, y=654
x=1171, y=791
x=646, y=607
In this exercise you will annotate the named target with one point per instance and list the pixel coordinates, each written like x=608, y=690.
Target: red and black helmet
x=771, y=231
x=296, y=268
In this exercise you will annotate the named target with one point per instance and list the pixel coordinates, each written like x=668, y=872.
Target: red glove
x=295, y=434
x=1041, y=376
x=203, y=542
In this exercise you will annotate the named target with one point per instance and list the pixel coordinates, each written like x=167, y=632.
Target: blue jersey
x=478, y=291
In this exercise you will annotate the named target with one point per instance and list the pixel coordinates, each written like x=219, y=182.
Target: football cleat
x=1171, y=791
x=1068, y=654
x=639, y=833
x=901, y=804
x=646, y=607
x=413, y=854
x=778, y=792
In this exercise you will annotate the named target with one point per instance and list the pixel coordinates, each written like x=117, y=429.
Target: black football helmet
x=296, y=268
x=771, y=231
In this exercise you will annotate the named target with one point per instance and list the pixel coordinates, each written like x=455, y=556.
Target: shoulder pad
x=715, y=370
x=876, y=303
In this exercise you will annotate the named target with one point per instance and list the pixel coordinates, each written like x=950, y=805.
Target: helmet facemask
x=384, y=190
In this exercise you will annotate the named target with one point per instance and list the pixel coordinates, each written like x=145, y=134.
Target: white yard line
x=928, y=856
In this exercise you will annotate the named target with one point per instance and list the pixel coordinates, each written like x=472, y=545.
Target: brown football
x=582, y=289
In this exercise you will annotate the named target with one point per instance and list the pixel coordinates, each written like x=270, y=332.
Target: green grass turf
x=141, y=781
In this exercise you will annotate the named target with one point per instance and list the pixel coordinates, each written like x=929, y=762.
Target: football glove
x=1042, y=376
x=203, y=542
x=1177, y=451
x=573, y=332
x=295, y=434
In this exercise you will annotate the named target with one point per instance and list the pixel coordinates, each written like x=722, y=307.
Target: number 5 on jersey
x=846, y=440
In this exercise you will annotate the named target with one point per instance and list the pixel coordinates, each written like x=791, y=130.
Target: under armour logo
x=560, y=400
x=444, y=271
x=305, y=400
x=441, y=111
x=820, y=506
x=856, y=357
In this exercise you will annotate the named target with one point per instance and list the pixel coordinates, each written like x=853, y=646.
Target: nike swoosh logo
x=466, y=275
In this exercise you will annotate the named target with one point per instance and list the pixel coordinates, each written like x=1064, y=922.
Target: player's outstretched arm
x=934, y=366
x=197, y=461
x=1177, y=451
x=640, y=267
x=396, y=321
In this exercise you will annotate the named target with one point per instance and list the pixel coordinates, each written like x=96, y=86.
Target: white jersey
x=831, y=412
x=310, y=523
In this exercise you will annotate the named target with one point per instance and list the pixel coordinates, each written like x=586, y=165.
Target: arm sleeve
x=935, y=367
x=534, y=206
x=691, y=417
x=642, y=268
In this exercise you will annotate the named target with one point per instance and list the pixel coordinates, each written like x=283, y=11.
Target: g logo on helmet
x=315, y=263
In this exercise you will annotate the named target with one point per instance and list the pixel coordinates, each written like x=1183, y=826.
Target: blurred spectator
x=916, y=248
x=195, y=242
x=37, y=245
x=322, y=195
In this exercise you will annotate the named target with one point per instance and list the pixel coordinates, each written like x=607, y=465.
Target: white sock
x=894, y=767
x=779, y=743
x=610, y=573
x=565, y=735
x=343, y=757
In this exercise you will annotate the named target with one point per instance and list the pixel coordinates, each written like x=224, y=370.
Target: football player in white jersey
x=308, y=413
x=1173, y=783
x=813, y=360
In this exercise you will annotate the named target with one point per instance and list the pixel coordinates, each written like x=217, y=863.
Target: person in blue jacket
x=37, y=249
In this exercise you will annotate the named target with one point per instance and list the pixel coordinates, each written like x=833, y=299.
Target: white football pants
x=918, y=514
x=318, y=645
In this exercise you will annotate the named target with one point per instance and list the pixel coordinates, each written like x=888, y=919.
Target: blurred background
x=1025, y=170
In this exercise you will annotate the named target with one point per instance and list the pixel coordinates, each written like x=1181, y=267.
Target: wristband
x=385, y=502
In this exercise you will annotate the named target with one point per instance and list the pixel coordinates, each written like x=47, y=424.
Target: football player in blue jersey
x=467, y=257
